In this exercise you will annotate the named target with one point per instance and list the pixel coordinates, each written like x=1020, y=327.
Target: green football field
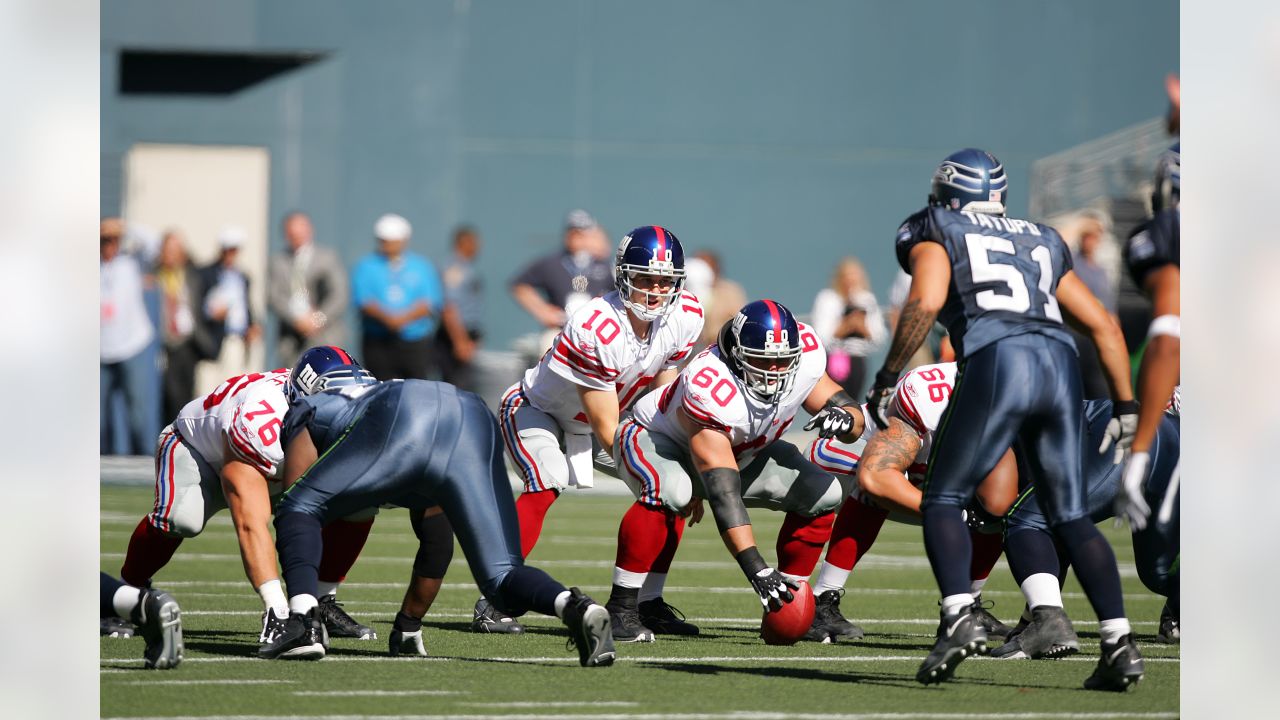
x=727, y=672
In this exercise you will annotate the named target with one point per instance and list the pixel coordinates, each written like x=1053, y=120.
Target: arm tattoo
x=893, y=448
x=913, y=325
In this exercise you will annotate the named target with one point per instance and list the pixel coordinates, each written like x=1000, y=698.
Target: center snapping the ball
x=789, y=623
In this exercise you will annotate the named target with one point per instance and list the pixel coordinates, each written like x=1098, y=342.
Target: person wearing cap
x=226, y=315
x=554, y=285
x=399, y=296
x=126, y=333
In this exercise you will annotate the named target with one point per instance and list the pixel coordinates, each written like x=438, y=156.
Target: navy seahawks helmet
x=325, y=367
x=649, y=250
x=1168, y=179
x=761, y=346
x=972, y=180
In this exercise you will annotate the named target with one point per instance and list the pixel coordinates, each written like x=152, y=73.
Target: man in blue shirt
x=399, y=297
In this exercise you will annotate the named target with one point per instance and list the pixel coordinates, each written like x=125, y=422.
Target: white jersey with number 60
x=239, y=420
x=713, y=397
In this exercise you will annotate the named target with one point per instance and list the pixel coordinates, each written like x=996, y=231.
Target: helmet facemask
x=626, y=277
x=769, y=373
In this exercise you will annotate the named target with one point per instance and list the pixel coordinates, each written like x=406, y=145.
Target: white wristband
x=1170, y=325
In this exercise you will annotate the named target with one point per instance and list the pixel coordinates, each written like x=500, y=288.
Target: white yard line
x=732, y=715
x=773, y=659
x=377, y=693
x=153, y=683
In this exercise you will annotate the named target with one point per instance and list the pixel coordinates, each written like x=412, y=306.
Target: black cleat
x=993, y=626
x=116, y=627
x=301, y=639
x=1119, y=667
x=1048, y=635
x=664, y=619
x=1170, y=632
x=627, y=626
x=589, y=630
x=160, y=621
x=339, y=624
x=272, y=625
x=488, y=619
x=829, y=624
x=959, y=636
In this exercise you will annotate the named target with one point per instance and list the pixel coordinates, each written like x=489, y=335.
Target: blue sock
x=527, y=588
x=946, y=540
x=1030, y=551
x=1095, y=565
x=299, y=545
x=107, y=593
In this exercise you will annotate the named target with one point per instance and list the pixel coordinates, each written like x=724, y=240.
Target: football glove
x=831, y=422
x=879, y=397
x=773, y=588
x=404, y=642
x=1130, y=504
x=1120, y=429
x=981, y=521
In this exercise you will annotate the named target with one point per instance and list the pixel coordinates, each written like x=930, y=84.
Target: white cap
x=392, y=227
x=231, y=237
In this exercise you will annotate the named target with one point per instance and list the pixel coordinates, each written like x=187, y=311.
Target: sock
x=953, y=604
x=149, y=550
x=326, y=588
x=642, y=537
x=1031, y=552
x=623, y=598
x=628, y=579
x=855, y=529
x=406, y=623
x=987, y=550
x=107, y=587
x=343, y=541
x=946, y=541
x=1042, y=589
x=302, y=603
x=830, y=577
x=125, y=599
x=653, y=585
x=1114, y=629
x=561, y=601
x=531, y=508
x=800, y=542
x=975, y=587
x=299, y=545
x=527, y=588
x=1095, y=566
x=273, y=598
x=675, y=531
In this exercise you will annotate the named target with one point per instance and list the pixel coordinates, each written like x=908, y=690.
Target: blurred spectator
x=308, y=291
x=186, y=342
x=226, y=314
x=1173, y=118
x=126, y=333
x=1084, y=256
x=399, y=298
x=847, y=319
x=460, y=325
x=722, y=302
x=552, y=286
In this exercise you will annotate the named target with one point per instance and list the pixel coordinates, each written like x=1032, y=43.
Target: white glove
x=1130, y=504
x=1120, y=429
x=407, y=643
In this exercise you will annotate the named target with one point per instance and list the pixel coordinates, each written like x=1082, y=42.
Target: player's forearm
x=601, y=407
x=1161, y=366
x=1114, y=355
x=914, y=323
x=738, y=539
x=257, y=550
x=891, y=490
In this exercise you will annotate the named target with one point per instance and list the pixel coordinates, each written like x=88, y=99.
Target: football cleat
x=339, y=624
x=990, y=622
x=272, y=625
x=589, y=630
x=488, y=619
x=1119, y=667
x=1170, y=631
x=407, y=642
x=112, y=626
x=959, y=636
x=160, y=621
x=301, y=639
x=829, y=624
x=1048, y=635
x=627, y=626
x=664, y=619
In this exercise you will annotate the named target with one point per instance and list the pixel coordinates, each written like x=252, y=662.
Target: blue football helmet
x=972, y=180
x=325, y=367
x=649, y=250
x=1168, y=179
x=761, y=345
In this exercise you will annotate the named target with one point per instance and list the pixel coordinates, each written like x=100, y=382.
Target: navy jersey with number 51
x=1004, y=275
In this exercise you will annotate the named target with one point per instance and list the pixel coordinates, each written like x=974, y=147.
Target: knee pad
x=435, y=547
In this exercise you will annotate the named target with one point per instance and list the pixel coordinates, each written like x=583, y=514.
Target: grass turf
x=726, y=672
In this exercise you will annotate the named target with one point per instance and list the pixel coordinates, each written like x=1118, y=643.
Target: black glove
x=831, y=422
x=981, y=521
x=771, y=586
x=879, y=395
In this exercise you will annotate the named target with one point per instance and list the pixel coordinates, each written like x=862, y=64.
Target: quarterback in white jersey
x=224, y=451
x=714, y=433
x=611, y=350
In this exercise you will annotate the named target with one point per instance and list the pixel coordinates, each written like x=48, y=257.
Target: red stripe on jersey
x=568, y=361
x=909, y=410
x=701, y=417
x=247, y=453
x=641, y=384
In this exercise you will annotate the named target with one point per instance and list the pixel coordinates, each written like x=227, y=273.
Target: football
x=789, y=623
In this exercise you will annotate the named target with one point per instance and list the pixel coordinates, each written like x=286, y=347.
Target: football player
x=156, y=614
x=352, y=442
x=1045, y=630
x=1000, y=285
x=713, y=433
x=1152, y=256
x=223, y=451
x=889, y=465
x=611, y=350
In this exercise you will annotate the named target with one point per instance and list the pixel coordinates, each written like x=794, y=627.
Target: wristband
x=407, y=623
x=751, y=562
x=886, y=378
x=1124, y=407
x=840, y=398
